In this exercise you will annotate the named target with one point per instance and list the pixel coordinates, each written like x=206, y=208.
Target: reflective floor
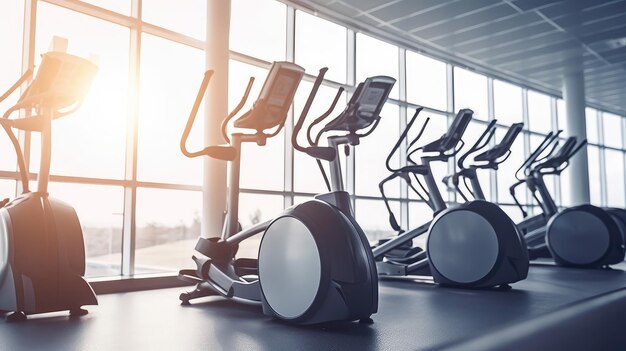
x=412, y=315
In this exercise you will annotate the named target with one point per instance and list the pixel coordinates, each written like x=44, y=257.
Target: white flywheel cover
x=289, y=267
x=462, y=246
x=578, y=237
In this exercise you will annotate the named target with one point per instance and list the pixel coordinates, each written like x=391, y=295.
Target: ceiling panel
x=527, y=40
x=474, y=19
x=441, y=14
x=405, y=7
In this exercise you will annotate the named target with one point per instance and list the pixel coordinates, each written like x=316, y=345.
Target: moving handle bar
x=480, y=144
x=221, y=152
x=319, y=152
x=402, y=172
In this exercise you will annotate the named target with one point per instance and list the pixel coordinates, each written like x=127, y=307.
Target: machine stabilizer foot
x=16, y=317
x=78, y=312
x=504, y=287
x=367, y=320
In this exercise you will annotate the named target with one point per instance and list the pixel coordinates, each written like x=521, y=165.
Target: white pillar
x=574, y=98
x=216, y=109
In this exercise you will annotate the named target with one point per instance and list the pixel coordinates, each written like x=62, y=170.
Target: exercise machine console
x=473, y=245
x=314, y=264
x=42, y=254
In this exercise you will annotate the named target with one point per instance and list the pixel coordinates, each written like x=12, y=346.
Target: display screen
x=281, y=91
x=372, y=97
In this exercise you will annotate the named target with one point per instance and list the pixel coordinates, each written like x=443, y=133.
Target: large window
x=165, y=99
x=507, y=102
x=539, y=112
x=426, y=81
x=595, y=176
x=615, y=177
x=11, y=67
x=89, y=143
x=376, y=58
x=613, y=128
x=258, y=28
x=101, y=221
x=470, y=91
x=320, y=43
x=186, y=17
x=372, y=152
x=591, y=116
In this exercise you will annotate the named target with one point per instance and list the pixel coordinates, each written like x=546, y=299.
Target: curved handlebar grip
x=192, y=116
x=305, y=110
x=480, y=143
x=403, y=136
x=244, y=98
x=321, y=118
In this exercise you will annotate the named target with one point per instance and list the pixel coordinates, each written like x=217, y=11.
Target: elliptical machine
x=314, y=263
x=472, y=245
x=583, y=236
x=42, y=254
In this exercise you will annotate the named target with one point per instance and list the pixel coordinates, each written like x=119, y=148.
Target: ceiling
x=526, y=41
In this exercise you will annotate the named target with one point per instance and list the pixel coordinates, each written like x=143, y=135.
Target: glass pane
x=258, y=28
x=90, y=142
x=437, y=126
x=613, y=126
x=514, y=213
x=371, y=154
x=120, y=6
x=591, y=116
x=561, y=116
x=165, y=99
x=101, y=221
x=373, y=218
x=306, y=174
x=320, y=43
x=507, y=99
x=470, y=91
x=426, y=81
x=166, y=235
x=7, y=189
x=506, y=171
x=238, y=75
x=472, y=133
x=615, y=178
x=549, y=180
x=539, y=112
x=376, y=58
x=253, y=209
x=10, y=69
x=263, y=167
x=300, y=199
x=419, y=213
x=593, y=155
x=186, y=17
x=268, y=159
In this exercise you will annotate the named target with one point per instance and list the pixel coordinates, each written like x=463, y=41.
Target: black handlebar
x=319, y=152
x=222, y=152
x=405, y=132
x=480, y=143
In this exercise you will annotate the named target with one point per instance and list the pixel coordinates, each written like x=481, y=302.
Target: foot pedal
x=189, y=276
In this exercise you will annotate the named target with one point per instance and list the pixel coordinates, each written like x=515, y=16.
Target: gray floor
x=411, y=316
